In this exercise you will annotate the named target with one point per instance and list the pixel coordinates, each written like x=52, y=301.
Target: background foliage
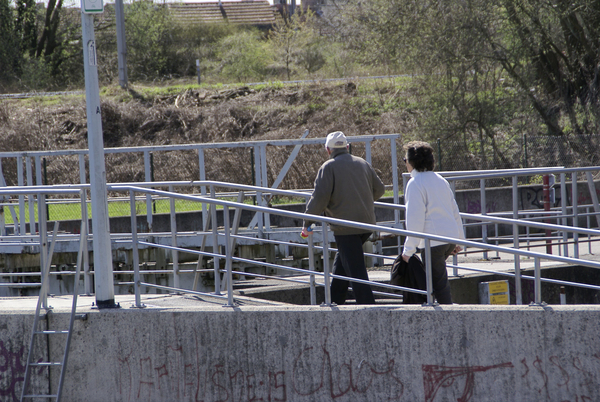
x=480, y=74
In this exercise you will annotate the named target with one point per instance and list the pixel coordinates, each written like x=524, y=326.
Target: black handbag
x=409, y=274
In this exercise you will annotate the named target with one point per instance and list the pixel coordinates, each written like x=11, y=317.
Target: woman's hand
x=405, y=257
x=456, y=250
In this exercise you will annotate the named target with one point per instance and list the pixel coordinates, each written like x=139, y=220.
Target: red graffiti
x=564, y=373
x=309, y=382
x=435, y=377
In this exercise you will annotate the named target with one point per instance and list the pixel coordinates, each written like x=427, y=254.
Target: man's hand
x=305, y=233
x=456, y=250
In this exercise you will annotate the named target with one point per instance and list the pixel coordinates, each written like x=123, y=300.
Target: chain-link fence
x=517, y=152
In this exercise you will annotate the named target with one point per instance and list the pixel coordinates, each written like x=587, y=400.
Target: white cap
x=336, y=139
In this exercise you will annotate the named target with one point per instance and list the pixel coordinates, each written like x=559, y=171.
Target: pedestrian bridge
x=187, y=330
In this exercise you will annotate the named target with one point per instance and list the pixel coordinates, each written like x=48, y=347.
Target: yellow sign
x=498, y=291
x=499, y=299
x=498, y=287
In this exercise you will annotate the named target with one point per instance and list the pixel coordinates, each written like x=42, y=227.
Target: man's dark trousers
x=350, y=261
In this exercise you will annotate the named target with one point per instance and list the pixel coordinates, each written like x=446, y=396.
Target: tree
x=150, y=43
x=244, y=55
x=26, y=28
x=484, y=63
x=9, y=50
x=296, y=41
x=48, y=40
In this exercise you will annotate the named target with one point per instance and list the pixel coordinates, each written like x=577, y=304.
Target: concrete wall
x=464, y=353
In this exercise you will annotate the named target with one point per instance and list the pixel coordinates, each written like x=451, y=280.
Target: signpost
x=103, y=270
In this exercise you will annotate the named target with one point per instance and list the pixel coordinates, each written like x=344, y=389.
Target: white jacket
x=430, y=208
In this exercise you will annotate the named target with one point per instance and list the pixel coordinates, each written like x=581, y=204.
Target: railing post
x=215, y=240
x=538, y=282
x=546, y=191
x=21, y=182
x=515, y=200
x=265, y=183
x=43, y=235
x=326, y=276
x=148, y=178
x=589, y=224
x=563, y=203
x=134, y=251
x=258, y=183
x=87, y=283
x=594, y=195
x=575, y=203
x=395, y=179
x=31, y=202
x=368, y=152
x=228, y=255
x=428, y=273
x=174, y=253
x=202, y=172
x=483, y=212
x=311, y=268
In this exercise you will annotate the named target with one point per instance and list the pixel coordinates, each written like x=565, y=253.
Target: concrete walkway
x=502, y=262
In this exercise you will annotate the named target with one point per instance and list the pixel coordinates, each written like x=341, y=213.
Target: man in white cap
x=346, y=187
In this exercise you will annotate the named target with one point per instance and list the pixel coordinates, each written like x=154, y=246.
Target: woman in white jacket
x=430, y=208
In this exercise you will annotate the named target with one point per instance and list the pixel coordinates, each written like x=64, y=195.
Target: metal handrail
x=324, y=220
x=428, y=237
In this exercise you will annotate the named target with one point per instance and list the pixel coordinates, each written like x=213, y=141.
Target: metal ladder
x=31, y=364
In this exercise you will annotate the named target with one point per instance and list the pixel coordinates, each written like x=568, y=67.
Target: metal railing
x=30, y=165
x=227, y=255
x=225, y=236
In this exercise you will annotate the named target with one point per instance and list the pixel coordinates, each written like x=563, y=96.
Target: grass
x=72, y=211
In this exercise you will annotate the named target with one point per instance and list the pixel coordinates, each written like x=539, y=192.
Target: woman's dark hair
x=420, y=156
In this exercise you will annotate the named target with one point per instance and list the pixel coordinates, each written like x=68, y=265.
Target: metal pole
x=546, y=192
x=135, y=252
x=121, y=43
x=215, y=241
x=45, y=182
x=483, y=212
x=515, y=200
x=326, y=276
x=105, y=292
x=148, y=177
x=368, y=152
x=311, y=268
x=202, y=175
x=563, y=203
x=258, y=183
x=21, y=181
x=84, y=216
x=395, y=178
x=594, y=195
x=30, y=197
x=44, y=264
x=228, y=254
x=265, y=183
x=575, y=203
x=538, y=282
x=428, y=272
x=174, y=253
